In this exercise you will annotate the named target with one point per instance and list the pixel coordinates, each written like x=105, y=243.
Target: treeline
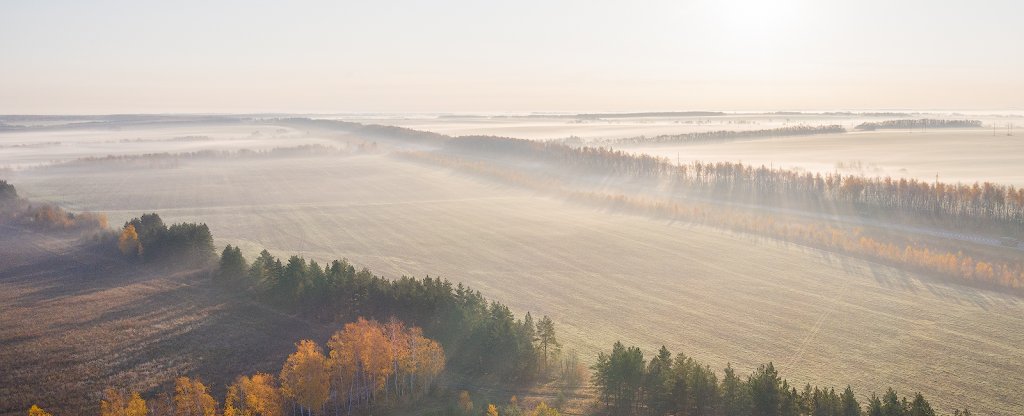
x=988, y=205
x=929, y=123
x=374, y=130
x=596, y=160
x=483, y=337
x=149, y=239
x=682, y=386
x=17, y=210
x=954, y=265
x=712, y=136
x=980, y=204
x=165, y=159
x=650, y=114
x=368, y=364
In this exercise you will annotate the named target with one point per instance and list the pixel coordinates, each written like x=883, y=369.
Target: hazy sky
x=450, y=56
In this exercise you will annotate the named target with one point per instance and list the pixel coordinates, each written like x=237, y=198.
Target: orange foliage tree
x=255, y=395
x=37, y=411
x=192, y=398
x=304, y=377
x=370, y=360
x=117, y=403
x=128, y=242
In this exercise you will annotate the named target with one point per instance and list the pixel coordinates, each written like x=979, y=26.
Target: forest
x=682, y=386
x=148, y=239
x=719, y=135
x=484, y=337
x=924, y=123
x=17, y=210
x=987, y=205
x=172, y=160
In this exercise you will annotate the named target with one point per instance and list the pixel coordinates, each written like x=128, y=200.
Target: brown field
x=74, y=322
x=822, y=318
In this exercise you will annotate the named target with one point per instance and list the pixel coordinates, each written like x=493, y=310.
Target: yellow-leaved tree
x=542, y=409
x=370, y=361
x=256, y=395
x=129, y=243
x=117, y=403
x=192, y=398
x=304, y=377
x=37, y=411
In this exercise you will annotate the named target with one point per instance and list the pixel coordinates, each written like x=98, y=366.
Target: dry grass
x=75, y=322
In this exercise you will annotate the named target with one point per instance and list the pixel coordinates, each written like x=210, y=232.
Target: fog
x=537, y=236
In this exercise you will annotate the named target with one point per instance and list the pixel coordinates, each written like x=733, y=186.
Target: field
x=601, y=275
x=75, y=323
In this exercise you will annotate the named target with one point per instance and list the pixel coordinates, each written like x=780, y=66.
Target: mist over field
x=603, y=271
x=600, y=208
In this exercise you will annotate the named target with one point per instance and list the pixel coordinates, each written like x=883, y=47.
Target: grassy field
x=74, y=322
x=601, y=275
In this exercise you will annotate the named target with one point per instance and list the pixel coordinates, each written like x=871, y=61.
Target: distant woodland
x=722, y=135
x=981, y=204
x=924, y=123
x=171, y=160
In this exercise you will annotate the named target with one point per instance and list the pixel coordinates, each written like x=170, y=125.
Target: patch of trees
x=17, y=210
x=682, y=386
x=986, y=205
x=149, y=239
x=713, y=136
x=923, y=123
x=7, y=192
x=484, y=337
x=983, y=204
x=368, y=364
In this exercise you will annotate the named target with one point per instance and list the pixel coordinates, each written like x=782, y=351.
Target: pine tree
x=920, y=407
x=232, y=266
x=735, y=396
x=850, y=405
x=546, y=336
x=874, y=406
x=765, y=390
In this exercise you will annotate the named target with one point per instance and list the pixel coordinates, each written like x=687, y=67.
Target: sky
x=97, y=57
